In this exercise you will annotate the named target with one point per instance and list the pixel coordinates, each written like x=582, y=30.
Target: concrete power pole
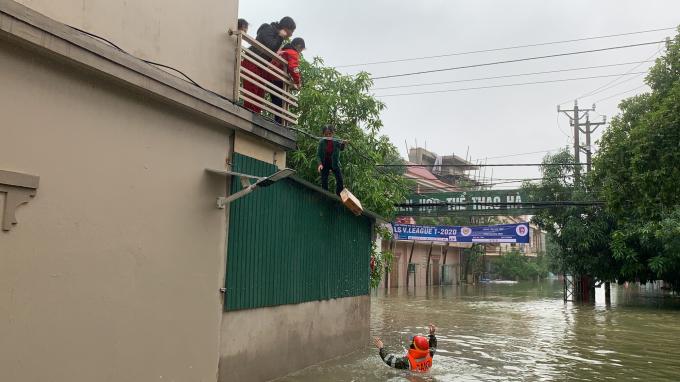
x=588, y=148
x=575, y=121
x=581, y=288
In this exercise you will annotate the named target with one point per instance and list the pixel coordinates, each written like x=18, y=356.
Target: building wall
x=191, y=36
x=266, y=343
x=112, y=272
x=254, y=148
x=402, y=251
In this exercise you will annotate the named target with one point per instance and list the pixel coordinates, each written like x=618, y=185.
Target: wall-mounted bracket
x=247, y=186
x=18, y=189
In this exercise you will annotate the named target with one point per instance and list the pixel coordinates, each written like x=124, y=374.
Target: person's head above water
x=285, y=27
x=328, y=131
x=419, y=343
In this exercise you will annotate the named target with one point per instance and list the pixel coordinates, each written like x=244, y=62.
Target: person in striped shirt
x=420, y=353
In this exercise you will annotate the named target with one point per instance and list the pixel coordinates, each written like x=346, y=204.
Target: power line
x=508, y=76
x=367, y=159
x=628, y=91
x=517, y=60
x=503, y=86
x=516, y=155
x=507, y=48
x=620, y=83
x=596, y=91
x=569, y=137
x=485, y=165
x=520, y=204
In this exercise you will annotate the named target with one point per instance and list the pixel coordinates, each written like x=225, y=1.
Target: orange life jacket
x=420, y=360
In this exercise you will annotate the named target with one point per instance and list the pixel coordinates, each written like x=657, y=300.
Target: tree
x=581, y=234
x=636, y=172
x=328, y=97
x=515, y=264
x=638, y=169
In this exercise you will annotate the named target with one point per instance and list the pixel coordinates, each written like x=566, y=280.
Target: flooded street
x=521, y=332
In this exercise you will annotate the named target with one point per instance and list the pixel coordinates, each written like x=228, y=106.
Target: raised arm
x=390, y=359
x=433, y=341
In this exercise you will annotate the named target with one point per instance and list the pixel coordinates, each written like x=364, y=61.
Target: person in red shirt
x=328, y=158
x=271, y=36
x=291, y=53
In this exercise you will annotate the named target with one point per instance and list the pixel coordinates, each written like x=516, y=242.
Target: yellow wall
x=190, y=36
x=113, y=270
x=255, y=148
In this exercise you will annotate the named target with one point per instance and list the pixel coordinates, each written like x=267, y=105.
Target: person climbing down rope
x=328, y=158
x=420, y=353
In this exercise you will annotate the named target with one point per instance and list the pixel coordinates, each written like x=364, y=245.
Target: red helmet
x=421, y=343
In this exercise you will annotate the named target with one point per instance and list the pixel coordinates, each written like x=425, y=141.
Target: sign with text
x=503, y=233
x=472, y=203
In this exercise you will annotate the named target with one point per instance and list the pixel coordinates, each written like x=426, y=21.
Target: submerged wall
x=262, y=344
x=297, y=279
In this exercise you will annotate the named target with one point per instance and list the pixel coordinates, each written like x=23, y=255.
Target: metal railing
x=242, y=74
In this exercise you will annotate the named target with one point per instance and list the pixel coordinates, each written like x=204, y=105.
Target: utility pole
x=580, y=284
x=575, y=121
x=588, y=148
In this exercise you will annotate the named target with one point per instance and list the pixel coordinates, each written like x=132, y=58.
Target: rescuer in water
x=420, y=353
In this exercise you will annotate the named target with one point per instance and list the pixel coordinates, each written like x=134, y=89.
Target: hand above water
x=377, y=342
x=432, y=329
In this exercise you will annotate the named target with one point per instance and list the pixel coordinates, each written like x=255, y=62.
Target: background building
x=115, y=262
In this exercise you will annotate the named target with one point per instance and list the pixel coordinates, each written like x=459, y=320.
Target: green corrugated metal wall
x=290, y=244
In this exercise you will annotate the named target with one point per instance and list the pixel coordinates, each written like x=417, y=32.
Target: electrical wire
x=486, y=165
x=628, y=91
x=569, y=137
x=507, y=48
x=517, y=60
x=516, y=155
x=186, y=78
x=508, y=76
x=367, y=159
x=502, y=86
x=596, y=91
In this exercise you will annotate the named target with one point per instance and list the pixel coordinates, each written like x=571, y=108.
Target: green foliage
x=382, y=261
x=637, y=173
x=579, y=235
x=517, y=264
x=638, y=169
x=328, y=97
x=472, y=259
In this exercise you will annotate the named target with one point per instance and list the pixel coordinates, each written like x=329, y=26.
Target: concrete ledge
x=21, y=25
x=267, y=343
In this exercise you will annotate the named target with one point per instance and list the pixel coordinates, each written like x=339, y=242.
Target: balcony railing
x=243, y=74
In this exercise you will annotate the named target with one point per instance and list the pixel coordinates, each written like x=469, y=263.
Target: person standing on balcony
x=271, y=36
x=291, y=53
x=328, y=158
x=243, y=25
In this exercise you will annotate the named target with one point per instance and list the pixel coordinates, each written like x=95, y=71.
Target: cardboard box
x=351, y=202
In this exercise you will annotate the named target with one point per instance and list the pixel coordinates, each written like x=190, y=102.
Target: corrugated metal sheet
x=290, y=244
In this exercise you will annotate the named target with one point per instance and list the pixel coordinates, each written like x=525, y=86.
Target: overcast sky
x=492, y=122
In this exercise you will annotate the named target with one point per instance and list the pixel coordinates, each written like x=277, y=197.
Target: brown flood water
x=521, y=332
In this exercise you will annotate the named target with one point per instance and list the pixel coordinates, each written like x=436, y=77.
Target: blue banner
x=504, y=233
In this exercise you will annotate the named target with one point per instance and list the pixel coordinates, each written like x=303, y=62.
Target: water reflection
x=521, y=332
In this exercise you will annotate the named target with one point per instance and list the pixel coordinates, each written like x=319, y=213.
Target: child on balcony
x=291, y=53
x=328, y=158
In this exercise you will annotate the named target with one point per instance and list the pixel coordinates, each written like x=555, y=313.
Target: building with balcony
x=116, y=263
